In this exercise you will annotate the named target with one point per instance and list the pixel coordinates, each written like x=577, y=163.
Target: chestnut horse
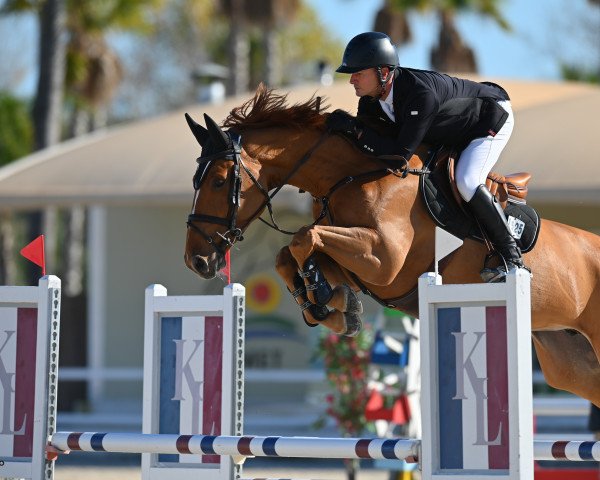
x=372, y=230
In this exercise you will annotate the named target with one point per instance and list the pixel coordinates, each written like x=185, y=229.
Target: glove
x=343, y=122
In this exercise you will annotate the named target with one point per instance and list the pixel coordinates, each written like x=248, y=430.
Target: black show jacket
x=433, y=108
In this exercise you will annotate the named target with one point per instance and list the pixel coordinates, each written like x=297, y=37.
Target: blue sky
x=544, y=31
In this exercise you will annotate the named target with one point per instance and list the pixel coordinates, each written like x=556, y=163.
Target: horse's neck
x=281, y=151
x=282, y=159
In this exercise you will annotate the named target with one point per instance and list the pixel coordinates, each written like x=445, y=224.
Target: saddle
x=450, y=212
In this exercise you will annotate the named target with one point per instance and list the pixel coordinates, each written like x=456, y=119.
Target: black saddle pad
x=437, y=196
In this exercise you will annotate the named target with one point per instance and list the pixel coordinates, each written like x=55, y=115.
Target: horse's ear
x=198, y=130
x=218, y=136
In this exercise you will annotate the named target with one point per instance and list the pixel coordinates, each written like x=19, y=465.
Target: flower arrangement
x=346, y=362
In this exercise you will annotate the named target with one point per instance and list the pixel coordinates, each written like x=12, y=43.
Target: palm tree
x=238, y=46
x=391, y=19
x=52, y=48
x=269, y=16
x=94, y=70
x=75, y=58
x=451, y=53
x=47, y=107
x=93, y=74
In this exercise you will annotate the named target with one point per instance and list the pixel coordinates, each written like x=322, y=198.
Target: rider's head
x=370, y=57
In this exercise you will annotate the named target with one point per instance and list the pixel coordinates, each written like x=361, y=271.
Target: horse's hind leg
x=577, y=372
x=345, y=316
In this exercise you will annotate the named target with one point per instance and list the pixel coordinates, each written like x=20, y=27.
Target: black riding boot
x=491, y=218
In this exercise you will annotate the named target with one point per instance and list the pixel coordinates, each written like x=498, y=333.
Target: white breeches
x=479, y=157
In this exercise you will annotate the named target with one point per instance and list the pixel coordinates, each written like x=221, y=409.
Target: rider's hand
x=343, y=122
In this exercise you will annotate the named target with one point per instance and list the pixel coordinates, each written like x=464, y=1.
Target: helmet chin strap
x=382, y=82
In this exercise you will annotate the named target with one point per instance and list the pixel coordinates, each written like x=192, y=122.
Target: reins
x=270, y=197
x=401, y=172
x=234, y=233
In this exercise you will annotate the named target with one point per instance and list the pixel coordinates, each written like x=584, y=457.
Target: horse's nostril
x=200, y=264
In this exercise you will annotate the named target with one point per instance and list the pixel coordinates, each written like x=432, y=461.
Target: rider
x=426, y=106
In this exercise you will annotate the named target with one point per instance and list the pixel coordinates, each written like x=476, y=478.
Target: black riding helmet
x=368, y=50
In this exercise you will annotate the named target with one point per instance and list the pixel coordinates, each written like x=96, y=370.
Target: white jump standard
x=29, y=333
x=476, y=389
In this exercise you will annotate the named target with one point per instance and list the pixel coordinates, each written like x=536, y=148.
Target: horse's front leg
x=345, y=316
x=363, y=251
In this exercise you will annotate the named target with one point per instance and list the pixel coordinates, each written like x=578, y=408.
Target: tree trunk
x=451, y=54
x=394, y=23
x=47, y=107
x=272, y=73
x=79, y=123
x=73, y=274
x=49, y=229
x=48, y=100
x=239, y=50
x=99, y=118
x=8, y=267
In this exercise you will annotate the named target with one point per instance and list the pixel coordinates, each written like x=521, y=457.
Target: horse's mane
x=268, y=109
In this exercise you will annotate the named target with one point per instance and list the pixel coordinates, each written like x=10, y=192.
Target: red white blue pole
x=291, y=447
x=245, y=446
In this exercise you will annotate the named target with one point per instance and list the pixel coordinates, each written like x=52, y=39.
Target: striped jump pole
x=566, y=450
x=239, y=447
x=290, y=447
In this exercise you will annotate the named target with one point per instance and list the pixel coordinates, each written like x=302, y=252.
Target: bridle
x=234, y=233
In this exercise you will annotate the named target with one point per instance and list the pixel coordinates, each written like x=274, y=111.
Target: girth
x=407, y=302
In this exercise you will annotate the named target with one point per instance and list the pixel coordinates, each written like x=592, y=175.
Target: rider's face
x=366, y=82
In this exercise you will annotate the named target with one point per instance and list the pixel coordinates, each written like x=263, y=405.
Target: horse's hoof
x=353, y=324
x=311, y=325
x=351, y=300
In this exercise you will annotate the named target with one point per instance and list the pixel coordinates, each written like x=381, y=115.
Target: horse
x=372, y=232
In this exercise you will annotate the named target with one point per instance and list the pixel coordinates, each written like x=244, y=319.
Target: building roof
x=152, y=161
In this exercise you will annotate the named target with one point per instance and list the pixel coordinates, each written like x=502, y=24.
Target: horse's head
x=222, y=207
x=229, y=194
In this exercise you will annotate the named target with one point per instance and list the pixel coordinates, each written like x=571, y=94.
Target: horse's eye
x=218, y=182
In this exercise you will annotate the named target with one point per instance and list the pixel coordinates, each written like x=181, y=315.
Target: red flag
x=34, y=252
x=227, y=268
